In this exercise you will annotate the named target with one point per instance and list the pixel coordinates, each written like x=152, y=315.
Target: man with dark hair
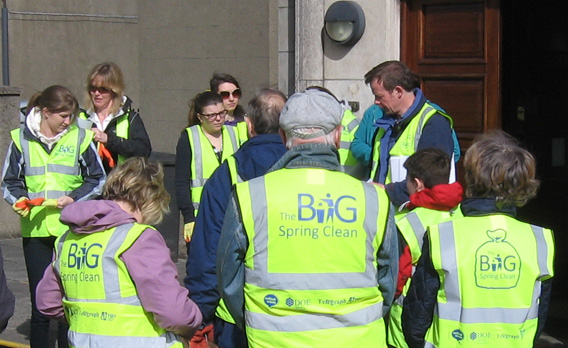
x=410, y=123
x=253, y=159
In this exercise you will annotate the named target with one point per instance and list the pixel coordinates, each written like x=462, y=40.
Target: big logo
x=497, y=262
x=69, y=149
x=85, y=256
x=326, y=209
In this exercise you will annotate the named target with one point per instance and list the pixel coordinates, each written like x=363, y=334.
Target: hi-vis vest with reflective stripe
x=204, y=160
x=413, y=226
x=310, y=268
x=407, y=143
x=349, y=163
x=122, y=127
x=490, y=270
x=242, y=132
x=50, y=175
x=101, y=302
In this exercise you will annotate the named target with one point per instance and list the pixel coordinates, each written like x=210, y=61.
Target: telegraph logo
x=85, y=256
x=497, y=262
x=326, y=209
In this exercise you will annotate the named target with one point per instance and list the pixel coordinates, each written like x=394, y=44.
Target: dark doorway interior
x=535, y=110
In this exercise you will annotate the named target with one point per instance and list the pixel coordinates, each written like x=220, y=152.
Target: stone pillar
x=9, y=119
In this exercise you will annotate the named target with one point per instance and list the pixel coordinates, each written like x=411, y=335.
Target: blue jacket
x=436, y=133
x=362, y=145
x=420, y=302
x=254, y=158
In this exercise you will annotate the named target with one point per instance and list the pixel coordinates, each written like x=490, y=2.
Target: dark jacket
x=420, y=302
x=138, y=142
x=436, y=133
x=7, y=299
x=253, y=159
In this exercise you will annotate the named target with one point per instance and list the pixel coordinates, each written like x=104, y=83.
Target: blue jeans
x=38, y=253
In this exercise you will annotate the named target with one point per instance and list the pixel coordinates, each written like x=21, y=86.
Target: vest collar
x=485, y=206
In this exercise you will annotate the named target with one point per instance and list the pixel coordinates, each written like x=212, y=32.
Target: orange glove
x=105, y=155
x=201, y=337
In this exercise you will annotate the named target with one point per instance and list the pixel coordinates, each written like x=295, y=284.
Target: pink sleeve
x=156, y=278
x=49, y=294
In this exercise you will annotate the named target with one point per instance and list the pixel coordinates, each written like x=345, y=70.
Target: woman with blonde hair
x=50, y=164
x=112, y=277
x=119, y=130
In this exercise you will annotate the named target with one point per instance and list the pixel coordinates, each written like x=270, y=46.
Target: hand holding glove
x=188, y=231
x=21, y=207
x=201, y=337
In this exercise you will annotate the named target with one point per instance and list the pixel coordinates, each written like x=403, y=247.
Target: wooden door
x=454, y=45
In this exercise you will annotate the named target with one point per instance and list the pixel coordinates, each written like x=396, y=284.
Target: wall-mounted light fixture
x=344, y=22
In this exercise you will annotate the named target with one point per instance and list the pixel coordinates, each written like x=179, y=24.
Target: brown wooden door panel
x=455, y=47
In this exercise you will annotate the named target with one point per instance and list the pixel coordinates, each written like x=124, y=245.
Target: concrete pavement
x=17, y=332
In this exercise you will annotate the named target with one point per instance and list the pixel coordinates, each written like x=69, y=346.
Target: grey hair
x=302, y=135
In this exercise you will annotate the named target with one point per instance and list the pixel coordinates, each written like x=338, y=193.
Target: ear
x=399, y=91
x=337, y=137
x=44, y=112
x=283, y=136
x=250, y=127
x=419, y=184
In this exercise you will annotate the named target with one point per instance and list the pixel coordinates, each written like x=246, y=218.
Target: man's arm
x=230, y=263
x=201, y=279
x=387, y=260
x=362, y=143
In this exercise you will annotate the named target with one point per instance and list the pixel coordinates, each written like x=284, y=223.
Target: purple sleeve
x=156, y=278
x=49, y=294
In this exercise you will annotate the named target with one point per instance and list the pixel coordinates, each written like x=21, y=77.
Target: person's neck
x=405, y=104
x=45, y=130
x=230, y=116
x=104, y=112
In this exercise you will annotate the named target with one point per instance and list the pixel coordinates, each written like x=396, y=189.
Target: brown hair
x=197, y=104
x=431, y=165
x=496, y=166
x=265, y=109
x=55, y=99
x=140, y=184
x=393, y=73
x=112, y=78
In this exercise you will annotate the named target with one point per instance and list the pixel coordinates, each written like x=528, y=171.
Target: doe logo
x=497, y=262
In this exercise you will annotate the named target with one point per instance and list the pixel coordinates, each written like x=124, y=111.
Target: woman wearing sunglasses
x=201, y=148
x=119, y=130
x=228, y=88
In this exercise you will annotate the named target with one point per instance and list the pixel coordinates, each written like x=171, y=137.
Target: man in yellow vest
x=410, y=123
x=308, y=254
x=484, y=280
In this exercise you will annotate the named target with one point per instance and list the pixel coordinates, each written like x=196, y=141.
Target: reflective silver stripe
x=77, y=339
x=198, y=182
x=81, y=122
x=32, y=171
x=62, y=169
x=429, y=345
x=59, y=247
x=52, y=194
x=541, y=250
x=233, y=137
x=260, y=276
x=351, y=126
x=195, y=205
x=344, y=145
x=197, y=156
x=420, y=126
x=400, y=299
x=309, y=322
x=417, y=227
x=453, y=310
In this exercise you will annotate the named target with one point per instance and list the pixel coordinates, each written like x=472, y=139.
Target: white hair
x=306, y=135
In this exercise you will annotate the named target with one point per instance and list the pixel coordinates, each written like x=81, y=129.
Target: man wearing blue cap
x=308, y=255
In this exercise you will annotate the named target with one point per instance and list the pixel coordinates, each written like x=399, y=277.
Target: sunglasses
x=210, y=117
x=226, y=94
x=101, y=90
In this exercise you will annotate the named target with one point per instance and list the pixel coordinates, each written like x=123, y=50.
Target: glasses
x=213, y=116
x=100, y=89
x=226, y=94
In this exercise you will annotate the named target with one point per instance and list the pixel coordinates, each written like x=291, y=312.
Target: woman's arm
x=183, y=178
